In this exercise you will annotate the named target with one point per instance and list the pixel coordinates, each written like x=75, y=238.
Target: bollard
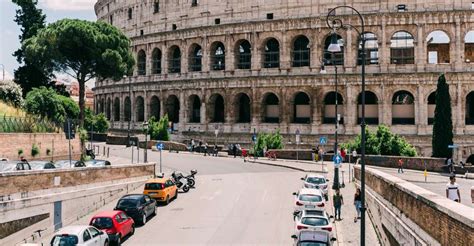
x=108, y=151
x=103, y=151
x=343, y=185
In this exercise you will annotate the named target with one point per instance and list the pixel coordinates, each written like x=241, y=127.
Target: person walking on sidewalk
x=400, y=165
x=338, y=201
x=452, y=190
x=357, y=204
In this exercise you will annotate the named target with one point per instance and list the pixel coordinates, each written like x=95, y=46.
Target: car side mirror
x=294, y=193
x=295, y=237
x=302, y=178
x=327, y=180
x=333, y=239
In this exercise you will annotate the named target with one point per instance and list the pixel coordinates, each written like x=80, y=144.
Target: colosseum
x=262, y=65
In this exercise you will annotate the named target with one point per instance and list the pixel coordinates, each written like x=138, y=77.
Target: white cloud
x=68, y=4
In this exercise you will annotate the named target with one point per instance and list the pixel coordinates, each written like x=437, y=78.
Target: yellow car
x=161, y=189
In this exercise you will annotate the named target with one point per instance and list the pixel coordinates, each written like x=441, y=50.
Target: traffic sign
x=453, y=146
x=160, y=146
x=323, y=140
x=337, y=160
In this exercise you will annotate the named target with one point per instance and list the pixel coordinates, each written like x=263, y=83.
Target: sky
x=54, y=10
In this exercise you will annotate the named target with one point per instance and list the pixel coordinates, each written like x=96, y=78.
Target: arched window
x=403, y=108
x=174, y=61
x=102, y=105
x=243, y=108
x=244, y=55
x=301, y=108
x=127, y=109
x=271, y=108
x=141, y=62
x=195, y=109
x=216, y=108
x=172, y=108
x=470, y=108
x=431, y=107
x=371, y=50
x=116, y=109
x=156, y=61
x=336, y=58
x=140, y=109
x=402, y=48
x=371, y=108
x=469, y=47
x=109, y=108
x=195, y=58
x=330, y=101
x=155, y=107
x=271, y=54
x=301, y=52
x=217, y=56
x=438, y=47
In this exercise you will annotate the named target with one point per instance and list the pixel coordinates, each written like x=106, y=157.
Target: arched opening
x=469, y=47
x=470, y=159
x=438, y=47
x=403, y=108
x=116, y=109
x=195, y=58
x=371, y=108
x=371, y=50
x=216, y=108
x=102, y=105
x=155, y=107
x=194, y=109
x=330, y=101
x=302, y=108
x=301, y=52
x=431, y=107
x=244, y=55
x=156, y=61
x=174, y=61
x=172, y=108
x=242, y=104
x=333, y=58
x=141, y=62
x=109, y=108
x=140, y=109
x=127, y=109
x=402, y=48
x=470, y=108
x=271, y=108
x=271, y=54
x=217, y=56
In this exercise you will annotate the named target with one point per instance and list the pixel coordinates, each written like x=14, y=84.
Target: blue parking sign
x=323, y=140
x=160, y=146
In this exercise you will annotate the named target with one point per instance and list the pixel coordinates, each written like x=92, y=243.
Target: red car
x=115, y=223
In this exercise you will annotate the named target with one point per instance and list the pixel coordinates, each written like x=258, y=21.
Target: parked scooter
x=191, y=179
x=180, y=181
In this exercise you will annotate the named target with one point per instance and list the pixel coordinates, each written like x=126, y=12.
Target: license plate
x=152, y=193
x=309, y=206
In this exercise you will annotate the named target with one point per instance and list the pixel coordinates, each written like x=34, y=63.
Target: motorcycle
x=191, y=179
x=180, y=181
x=90, y=153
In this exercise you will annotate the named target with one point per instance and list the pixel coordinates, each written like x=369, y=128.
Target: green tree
x=84, y=50
x=97, y=123
x=268, y=141
x=158, y=130
x=443, y=123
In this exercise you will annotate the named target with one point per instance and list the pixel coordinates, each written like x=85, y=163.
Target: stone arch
x=141, y=62
x=243, y=57
x=155, y=107
x=371, y=49
x=271, y=53
x=216, y=108
x=403, y=108
x=174, y=59
x=156, y=57
x=402, y=48
x=301, y=108
x=195, y=58
x=470, y=159
x=271, y=108
x=194, y=105
x=127, y=109
x=140, y=109
x=301, y=52
x=469, y=47
x=431, y=107
x=242, y=108
x=217, y=56
x=438, y=43
x=470, y=108
x=116, y=109
x=371, y=108
x=336, y=58
x=102, y=105
x=172, y=108
x=330, y=101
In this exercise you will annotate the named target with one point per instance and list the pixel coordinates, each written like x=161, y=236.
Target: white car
x=313, y=238
x=316, y=181
x=80, y=235
x=313, y=220
x=309, y=199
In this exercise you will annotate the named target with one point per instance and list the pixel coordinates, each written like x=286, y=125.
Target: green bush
x=97, y=123
x=11, y=93
x=158, y=130
x=35, y=150
x=268, y=141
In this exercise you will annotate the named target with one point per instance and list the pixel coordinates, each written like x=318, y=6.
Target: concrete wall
x=417, y=163
x=406, y=214
x=56, y=142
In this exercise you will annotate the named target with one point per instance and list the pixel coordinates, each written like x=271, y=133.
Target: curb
x=287, y=166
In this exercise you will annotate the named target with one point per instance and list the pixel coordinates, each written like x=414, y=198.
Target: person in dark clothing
x=234, y=150
x=337, y=201
x=200, y=146
x=357, y=204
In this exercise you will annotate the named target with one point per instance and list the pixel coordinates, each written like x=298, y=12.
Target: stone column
x=182, y=108
x=350, y=50
x=421, y=50
x=284, y=110
x=316, y=108
x=457, y=57
x=384, y=48
x=229, y=54
x=256, y=62
x=255, y=109
x=145, y=105
x=350, y=109
x=162, y=104
x=206, y=61
x=285, y=52
x=316, y=50
x=204, y=119
x=459, y=116
x=184, y=57
x=385, y=107
x=421, y=111
x=164, y=59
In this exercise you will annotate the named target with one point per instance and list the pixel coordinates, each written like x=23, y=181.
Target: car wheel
x=143, y=219
x=119, y=240
x=132, y=231
x=154, y=210
x=167, y=199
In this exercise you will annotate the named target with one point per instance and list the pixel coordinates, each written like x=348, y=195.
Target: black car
x=137, y=206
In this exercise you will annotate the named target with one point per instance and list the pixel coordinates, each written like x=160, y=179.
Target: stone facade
x=210, y=65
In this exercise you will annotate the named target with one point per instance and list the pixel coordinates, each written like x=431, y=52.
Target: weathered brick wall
x=22, y=181
x=58, y=144
x=447, y=222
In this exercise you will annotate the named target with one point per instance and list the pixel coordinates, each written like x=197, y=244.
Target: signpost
x=322, y=141
x=159, y=146
x=337, y=160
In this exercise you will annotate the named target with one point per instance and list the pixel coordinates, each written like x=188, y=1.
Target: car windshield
x=316, y=180
x=314, y=221
x=102, y=223
x=310, y=198
x=154, y=186
x=64, y=240
x=127, y=203
x=312, y=243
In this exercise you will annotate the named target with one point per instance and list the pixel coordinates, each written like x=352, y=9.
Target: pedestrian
x=462, y=164
x=192, y=145
x=234, y=150
x=343, y=154
x=338, y=201
x=400, y=165
x=205, y=149
x=450, y=165
x=215, y=150
x=200, y=146
x=357, y=204
x=244, y=154
x=354, y=156
x=452, y=190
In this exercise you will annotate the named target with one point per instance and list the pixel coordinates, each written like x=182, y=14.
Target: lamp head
x=334, y=45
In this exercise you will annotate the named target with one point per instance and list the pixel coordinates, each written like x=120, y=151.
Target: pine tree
x=443, y=124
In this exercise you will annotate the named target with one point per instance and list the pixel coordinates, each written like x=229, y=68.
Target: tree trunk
x=81, y=102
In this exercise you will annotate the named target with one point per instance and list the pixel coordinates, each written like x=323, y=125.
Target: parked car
x=67, y=164
x=309, y=199
x=116, y=224
x=97, y=163
x=316, y=181
x=137, y=206
x=80, y=235
x=40, y=165
x=161, y=189
x=313, y=220
x=313, y=238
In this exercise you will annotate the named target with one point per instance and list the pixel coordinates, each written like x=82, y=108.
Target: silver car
x=316, y=181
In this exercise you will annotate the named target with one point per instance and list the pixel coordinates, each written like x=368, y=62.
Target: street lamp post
x=145, y=156
x=336, y=23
